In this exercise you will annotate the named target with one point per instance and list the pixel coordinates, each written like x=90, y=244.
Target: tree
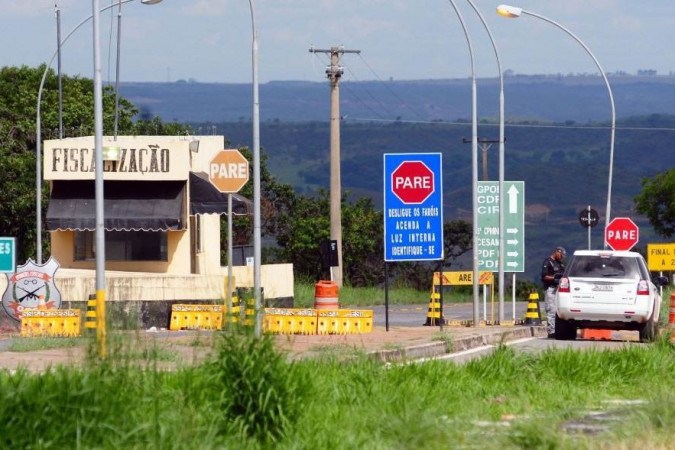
x=18, y=111
x=306, y=223
x=275, y=200
x=657, y=201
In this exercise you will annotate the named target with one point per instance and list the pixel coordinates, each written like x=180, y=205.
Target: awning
x=206, y=199
x=127, y=206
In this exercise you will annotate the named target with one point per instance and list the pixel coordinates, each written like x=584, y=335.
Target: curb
x=432, y=349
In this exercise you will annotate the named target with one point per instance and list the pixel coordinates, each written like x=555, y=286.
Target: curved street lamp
x=501, y=165
x=474, y=167
x=513, y=12
x=38, y=126
x=256, y=175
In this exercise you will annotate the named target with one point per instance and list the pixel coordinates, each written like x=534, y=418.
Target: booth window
x=123, y=246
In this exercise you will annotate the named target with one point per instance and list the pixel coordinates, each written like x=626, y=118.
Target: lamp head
x=512, y=12
x=150, y=2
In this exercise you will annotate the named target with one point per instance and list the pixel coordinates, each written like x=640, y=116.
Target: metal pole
x=588, y=225
x=58, y=65
x=98, y=147
x=256, y=176
x=501, y=163
x=117, y=67
x=474, y=168
x=228, y=294
x=38, y=139
x=515, y=12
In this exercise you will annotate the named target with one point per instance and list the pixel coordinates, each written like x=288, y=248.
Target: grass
x=369, y=296
x=251, y=396
x=31, y=344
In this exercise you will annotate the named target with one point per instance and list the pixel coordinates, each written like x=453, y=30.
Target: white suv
x=610, y=290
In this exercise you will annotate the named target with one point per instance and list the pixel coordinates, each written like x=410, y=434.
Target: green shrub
x=262, y=392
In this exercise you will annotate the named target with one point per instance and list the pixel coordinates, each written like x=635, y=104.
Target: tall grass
x=251, y=396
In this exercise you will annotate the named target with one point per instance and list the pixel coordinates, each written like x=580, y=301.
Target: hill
x=565, y=169
x=557, y=140
x=557, y=98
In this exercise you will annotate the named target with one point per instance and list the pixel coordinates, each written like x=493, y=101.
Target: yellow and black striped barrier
x=50, y=322
x=90, y=318
x=532, y=316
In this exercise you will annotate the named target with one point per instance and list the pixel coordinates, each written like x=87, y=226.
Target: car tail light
x=643, y=288
x=564, y=285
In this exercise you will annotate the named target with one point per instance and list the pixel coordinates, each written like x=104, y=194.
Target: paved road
x=537, y=345
x=416, y=315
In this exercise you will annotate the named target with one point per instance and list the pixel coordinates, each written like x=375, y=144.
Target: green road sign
x=487, y=238
x=7, y=254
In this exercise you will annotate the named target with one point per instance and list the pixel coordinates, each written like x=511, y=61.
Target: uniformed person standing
x=551, y=271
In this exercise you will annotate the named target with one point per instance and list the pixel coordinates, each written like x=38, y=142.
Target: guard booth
x=161, y=212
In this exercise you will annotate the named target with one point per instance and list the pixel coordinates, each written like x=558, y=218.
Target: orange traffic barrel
x=326, y=295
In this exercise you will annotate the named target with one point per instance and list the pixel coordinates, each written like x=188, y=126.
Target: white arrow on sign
x=512, y=264
x=514, y=254
x=512, y=230
x=512, y=241
x=513, y=199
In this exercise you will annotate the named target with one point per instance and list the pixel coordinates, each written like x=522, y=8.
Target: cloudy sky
x=210, y=40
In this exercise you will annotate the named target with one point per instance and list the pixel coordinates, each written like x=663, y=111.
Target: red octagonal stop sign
x=622, y=233
x=412, y=182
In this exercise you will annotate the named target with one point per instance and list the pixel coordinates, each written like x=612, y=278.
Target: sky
x=210, y=40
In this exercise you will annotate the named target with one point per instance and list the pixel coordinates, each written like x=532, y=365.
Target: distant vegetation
x=565, y=168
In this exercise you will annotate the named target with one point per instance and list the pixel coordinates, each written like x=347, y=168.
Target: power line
x=515, y=125
x=391, y=91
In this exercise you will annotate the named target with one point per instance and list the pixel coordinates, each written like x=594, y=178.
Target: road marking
x=472, y=350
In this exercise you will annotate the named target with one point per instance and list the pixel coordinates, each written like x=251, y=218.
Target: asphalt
x=399, y=343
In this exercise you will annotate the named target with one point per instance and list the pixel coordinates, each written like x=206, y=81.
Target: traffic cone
x=434, y=311
x=532, y=316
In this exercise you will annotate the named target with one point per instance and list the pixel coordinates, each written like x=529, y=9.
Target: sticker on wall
x=31, y=287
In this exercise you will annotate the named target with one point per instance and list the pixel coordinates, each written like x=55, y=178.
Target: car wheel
x=564, y=330
x=649, y=331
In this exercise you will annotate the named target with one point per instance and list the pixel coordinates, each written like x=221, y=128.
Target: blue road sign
x=413, y=207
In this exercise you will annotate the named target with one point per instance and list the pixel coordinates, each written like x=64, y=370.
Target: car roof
x=625, y=254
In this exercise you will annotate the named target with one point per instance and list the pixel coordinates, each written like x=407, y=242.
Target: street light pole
x=501, y=165
x=38, y=130
x=256, y=176
x=513, y=12
x=98, y=152
x=117, y=67
x=474, y=167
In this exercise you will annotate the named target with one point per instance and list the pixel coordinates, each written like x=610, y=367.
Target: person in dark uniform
x=551, y=270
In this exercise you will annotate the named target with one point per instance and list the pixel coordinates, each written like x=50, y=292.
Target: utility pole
x=485, y=145
x=334, y=72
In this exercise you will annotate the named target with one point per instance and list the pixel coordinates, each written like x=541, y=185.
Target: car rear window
x=594, y=266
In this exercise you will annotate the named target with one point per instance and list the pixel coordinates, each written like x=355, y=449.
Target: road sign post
x=588, y=218
x=7, y=254
x=487, y=239
x=622, y=234
x=228, y=172
x=661, y=257
x=413, y=207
